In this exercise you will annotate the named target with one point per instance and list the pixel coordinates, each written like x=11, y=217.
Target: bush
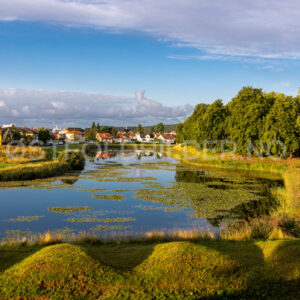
x=74, y=159
x=290, y=226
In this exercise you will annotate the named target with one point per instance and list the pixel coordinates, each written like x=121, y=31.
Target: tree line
x=254, y=121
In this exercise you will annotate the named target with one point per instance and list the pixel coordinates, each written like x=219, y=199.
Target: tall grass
x=190, y=155
x=34, y=171
x=20, y=154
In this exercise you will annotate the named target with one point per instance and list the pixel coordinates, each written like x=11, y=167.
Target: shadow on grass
x=122, y=257
x=274, y=277
x=11, y=256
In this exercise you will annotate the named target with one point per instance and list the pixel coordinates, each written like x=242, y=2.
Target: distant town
x=12, y=134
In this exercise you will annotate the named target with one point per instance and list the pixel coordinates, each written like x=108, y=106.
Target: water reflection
x=154, y=190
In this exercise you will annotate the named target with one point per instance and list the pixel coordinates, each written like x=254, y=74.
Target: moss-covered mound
x=174, y=270
x=58, y=271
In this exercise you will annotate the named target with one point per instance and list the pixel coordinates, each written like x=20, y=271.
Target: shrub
x=74, y=159
x=289, y=226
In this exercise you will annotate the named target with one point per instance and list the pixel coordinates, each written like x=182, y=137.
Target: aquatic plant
x=25, y=219
x=109, y=197
x=69, y=210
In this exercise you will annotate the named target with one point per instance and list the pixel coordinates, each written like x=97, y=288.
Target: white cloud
x=268, y=29
x=26, y=109
x=2, y=105
x=42, y=108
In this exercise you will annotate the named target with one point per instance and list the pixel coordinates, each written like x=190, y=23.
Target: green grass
x=96, y=220
x=25, y=219
x=69, y=210
x=33, y=171
x=109, y=197
x=176, y=270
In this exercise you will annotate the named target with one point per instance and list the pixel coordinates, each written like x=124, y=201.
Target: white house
x=167, y=138
x=75, y=136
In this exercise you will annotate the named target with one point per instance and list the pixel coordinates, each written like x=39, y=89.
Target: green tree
x=114, y=131
x=247, y=112
x=140, y=129
x=179, y=133
x=281, y=125
x=90, y=134
x=193, y=126
x=160, y=128
x=214, y=120
x=93, y=125
x=152, y=129
x=98, y=126
x=44, y=135
x=105, y=129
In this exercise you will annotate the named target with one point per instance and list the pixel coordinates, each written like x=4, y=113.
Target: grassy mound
x=58, y=271
x=174, y=270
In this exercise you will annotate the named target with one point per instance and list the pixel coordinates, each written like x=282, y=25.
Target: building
x=166, y=138
x=104, y=137
x=121, y=139
x=75, y=136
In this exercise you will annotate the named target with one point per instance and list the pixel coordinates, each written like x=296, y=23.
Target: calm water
x=143, y=191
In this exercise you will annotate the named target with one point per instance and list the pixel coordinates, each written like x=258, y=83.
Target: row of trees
x=262, y=118
x=158, y=128
x=91, y=133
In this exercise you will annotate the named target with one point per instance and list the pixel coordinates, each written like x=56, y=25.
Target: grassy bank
x=28, y=163
x=32, y=171
x=192, y=156
x=204, y=269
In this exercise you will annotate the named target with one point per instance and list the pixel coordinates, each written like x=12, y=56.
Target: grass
x=25, y=219
x=69, y=210
x=32, y=171
x=204, y=270
x=96, y=220
x=192, y=156
x=109, y=197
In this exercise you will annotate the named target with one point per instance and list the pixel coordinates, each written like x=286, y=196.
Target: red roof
x=105, y=135
x=168, y=136
x=75, y=132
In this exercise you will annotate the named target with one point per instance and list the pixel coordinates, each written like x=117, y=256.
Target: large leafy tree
x=193, y=126
x=281, y=126
x=247, y=112
x=160, y=128
x=140, y=129
x=44, y=135
x=214, y=121
x=179, y=133
x=90, y=134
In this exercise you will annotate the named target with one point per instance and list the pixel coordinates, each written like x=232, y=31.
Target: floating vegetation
x=121, y=191
x=69, y=210
x=92, y=190
x=167, y=166
x=95, y=220
x=206, y=202
x=108, y=227
x=25, y=219
x=109, y=197
x=153, y=185
x=161, y=208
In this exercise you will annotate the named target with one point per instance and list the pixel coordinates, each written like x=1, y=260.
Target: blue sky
x=174, y=55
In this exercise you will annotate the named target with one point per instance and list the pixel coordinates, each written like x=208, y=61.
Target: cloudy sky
x=121, y=62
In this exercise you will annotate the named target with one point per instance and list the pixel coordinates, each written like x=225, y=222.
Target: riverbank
x=204, y=269
x=288, y=169
x=29, y=163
